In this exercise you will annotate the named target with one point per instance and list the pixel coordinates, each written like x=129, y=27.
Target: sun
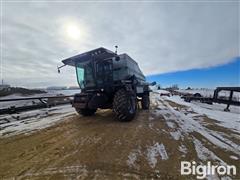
x=73, y=31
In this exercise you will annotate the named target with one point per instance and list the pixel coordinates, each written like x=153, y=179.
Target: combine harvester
x=108, y=80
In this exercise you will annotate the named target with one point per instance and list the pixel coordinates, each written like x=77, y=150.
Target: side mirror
x=59, y=71
x=153, y=83
x=60, y=67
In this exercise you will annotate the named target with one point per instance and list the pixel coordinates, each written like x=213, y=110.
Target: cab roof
x=99, y=53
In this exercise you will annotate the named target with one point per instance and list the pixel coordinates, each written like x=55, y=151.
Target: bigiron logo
x=201, y=171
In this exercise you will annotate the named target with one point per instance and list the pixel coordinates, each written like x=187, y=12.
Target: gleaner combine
x=109, y=80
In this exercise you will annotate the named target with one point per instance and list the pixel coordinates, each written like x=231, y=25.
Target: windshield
x=80, y=77
x=85, y=75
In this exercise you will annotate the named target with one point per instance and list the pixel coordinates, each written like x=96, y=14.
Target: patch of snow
x=130, y=176
x=176, y=135
x=171, y=124
x=234, y=157
x=118, y=142
x=33, y=120
x=64, y=92
x=151, y=118
x=162, y=91
x=182, y=149
x=205, y=154
x=132, y=157
x=229, y=120
x=154, y=151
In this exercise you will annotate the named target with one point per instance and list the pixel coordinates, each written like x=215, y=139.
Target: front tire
x=124, y=105
x=145, y=101
x=86, y=111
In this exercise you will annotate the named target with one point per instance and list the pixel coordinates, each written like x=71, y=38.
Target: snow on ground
x=204, y=153
x=216, y=111
x=183, y=149
x=188, y=118
x=162, y=91
x=132, y=157
x=154, y=151
x=29, y=121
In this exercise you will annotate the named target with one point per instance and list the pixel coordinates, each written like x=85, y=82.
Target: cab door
x=104, y=73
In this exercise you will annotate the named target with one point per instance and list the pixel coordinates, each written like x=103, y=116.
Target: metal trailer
x=44, y=102
x=216, y=97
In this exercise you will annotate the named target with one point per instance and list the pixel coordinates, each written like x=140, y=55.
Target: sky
x=163, y=37
x=222, y=75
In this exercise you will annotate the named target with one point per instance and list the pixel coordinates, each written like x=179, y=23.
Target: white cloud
x=162, y=37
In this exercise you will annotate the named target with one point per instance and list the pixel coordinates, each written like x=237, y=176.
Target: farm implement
x=217, y=98
x=42, y=102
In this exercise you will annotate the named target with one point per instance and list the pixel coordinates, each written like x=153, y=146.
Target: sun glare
x=73, y=31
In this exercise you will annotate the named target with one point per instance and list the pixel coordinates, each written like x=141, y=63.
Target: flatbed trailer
x=216, y=97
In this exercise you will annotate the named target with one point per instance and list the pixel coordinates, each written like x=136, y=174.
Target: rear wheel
x=145, y=101
x=86, y=111
x=124, y=105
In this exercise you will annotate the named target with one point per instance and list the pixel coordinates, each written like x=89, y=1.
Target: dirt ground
x=100, y=147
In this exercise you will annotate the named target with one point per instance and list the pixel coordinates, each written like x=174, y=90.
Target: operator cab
x=94, y=69
x=86, y=71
